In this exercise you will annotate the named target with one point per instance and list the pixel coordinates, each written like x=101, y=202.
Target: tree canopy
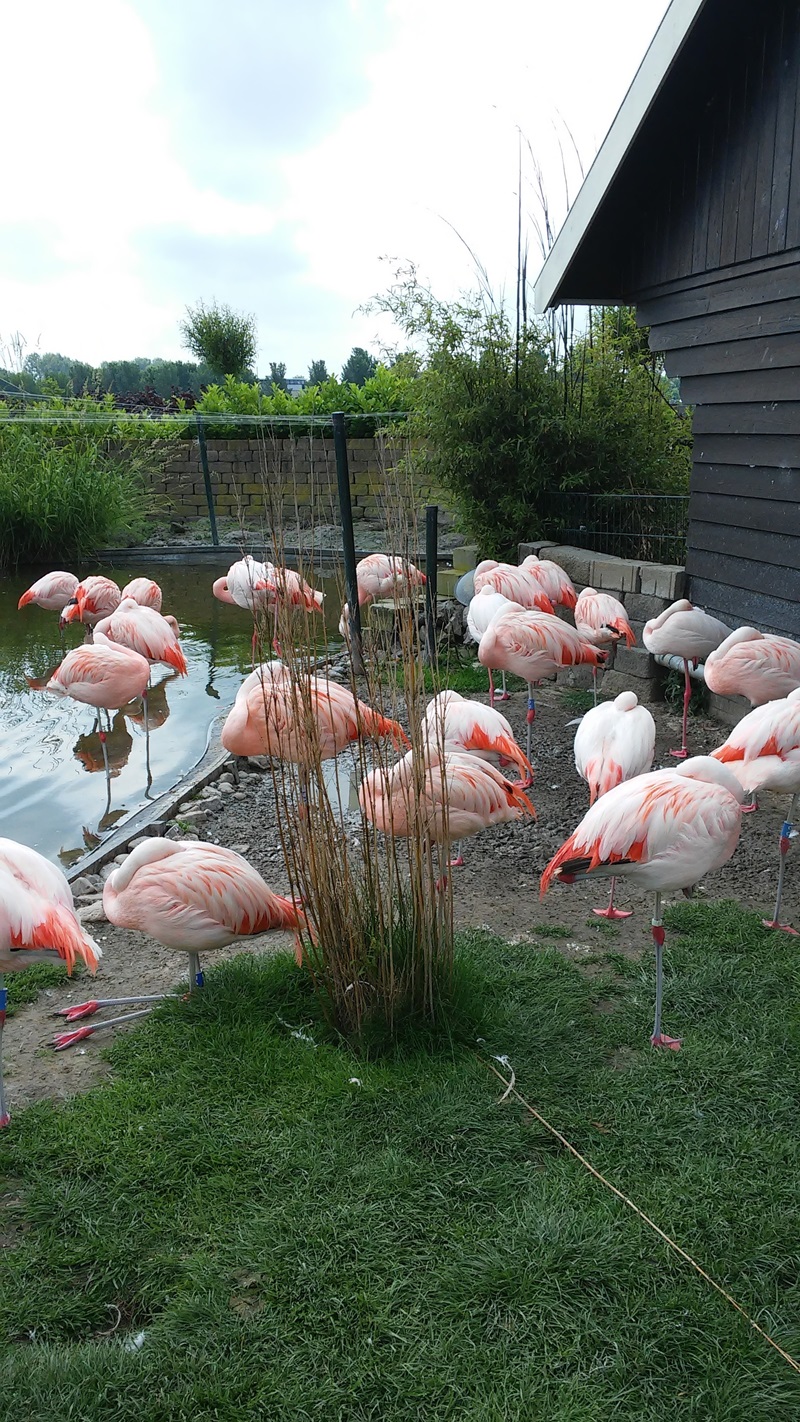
x=318, y=373
x=223, y=338
x=359, y=366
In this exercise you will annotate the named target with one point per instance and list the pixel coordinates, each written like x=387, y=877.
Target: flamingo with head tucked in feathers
x=533, y=645
x=688, y=632
x=192, y=897
x=270, y=716
x=763, y=752
x=758, y=665
x=602, y=620
x=382, y=576
x=145, y=631
x=145, y=592
x=664, y=830
x=614, y=742
x=452, y=723
x=557, y=584
x=517, y=584
x=37, y=923
x=105, y=676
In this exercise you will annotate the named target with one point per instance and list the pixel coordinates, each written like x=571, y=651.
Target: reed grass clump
x=66, y=490
x=379, y=946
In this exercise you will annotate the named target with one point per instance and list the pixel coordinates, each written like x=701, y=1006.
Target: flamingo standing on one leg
x=533, y=645
x=763, y=752
x=145, y=631
x=688, y=632
x=102, y=675
x=37, y=923
x=468, y=727
x=52, y=592
x=614, y=742
x=483, y=608
x=664, y=830
x=192, y=897
x=603, y=621
x=519, y=585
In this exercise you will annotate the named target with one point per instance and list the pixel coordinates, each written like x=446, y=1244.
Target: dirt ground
x=498, y=889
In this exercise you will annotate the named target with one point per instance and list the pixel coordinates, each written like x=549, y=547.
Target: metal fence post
x=348, y=541
x=201, y=440
x=431, y=574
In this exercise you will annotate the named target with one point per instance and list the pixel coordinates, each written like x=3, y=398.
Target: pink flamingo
x=753, y=664
x=192, y=897
x=450, y=796
x=687, y=632
x=614, y=742
x=533, y=645
x=145, y=631
x=382, y=576
x=52, y=592
x=468, y=727
x=602, y=620
x=105, y=676
x=37, y=923
x=557, y=584
x=664, y=830
x=517, y=584
x=270, y=716
x=483, y=608
x=145, y=592
x=763, y=752
x=94, y=598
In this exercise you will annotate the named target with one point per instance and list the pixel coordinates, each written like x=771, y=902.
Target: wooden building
x=691, y=212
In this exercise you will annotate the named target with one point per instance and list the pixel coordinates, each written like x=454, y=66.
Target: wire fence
x=649, y=527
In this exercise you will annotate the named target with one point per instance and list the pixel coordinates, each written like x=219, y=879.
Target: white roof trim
x=664, y=47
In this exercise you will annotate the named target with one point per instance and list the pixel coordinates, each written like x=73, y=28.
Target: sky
x=285, y=158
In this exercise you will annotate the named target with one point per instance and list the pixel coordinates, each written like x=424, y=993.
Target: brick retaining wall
x=294, y=477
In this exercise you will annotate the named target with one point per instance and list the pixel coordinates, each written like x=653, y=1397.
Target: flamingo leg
x=530, y=718
x=594, y=703
x=62, y=1040
x=458, y=862
x=4, y=1116
x=787, y=829
x=147, y=740
x=87, y=1009
x=659, y=1038
x=491, y=687
x=748, y=809
x=504, y=695
x=610, y=911
x=687, y=695
x=196, y=978
x=104, y=748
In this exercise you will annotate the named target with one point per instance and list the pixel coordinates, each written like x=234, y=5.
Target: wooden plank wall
x=716, y=275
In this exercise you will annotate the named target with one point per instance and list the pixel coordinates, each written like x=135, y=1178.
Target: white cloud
x=272, y=155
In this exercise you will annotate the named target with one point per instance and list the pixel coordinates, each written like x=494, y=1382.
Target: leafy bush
x=509, y=419
x=223, y=338
x=387, y=392
x=66, y=488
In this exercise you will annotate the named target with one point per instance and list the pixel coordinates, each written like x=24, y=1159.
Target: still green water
x=52, y=780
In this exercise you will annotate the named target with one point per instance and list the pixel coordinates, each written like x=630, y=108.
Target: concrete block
x=524, y=549
x=644, y=606
x=464, y=558
x=612, y=682
x=663, y=580
x=729, y=710
x=579, y=677
x=615, y=575
x=635, y=662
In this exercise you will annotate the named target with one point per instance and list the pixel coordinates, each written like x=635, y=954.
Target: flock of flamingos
x=664, y=829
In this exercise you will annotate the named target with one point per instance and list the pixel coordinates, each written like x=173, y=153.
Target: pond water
x=52, y=778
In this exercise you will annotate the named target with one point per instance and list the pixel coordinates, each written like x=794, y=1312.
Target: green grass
x=299, y=1245
x=454, y=674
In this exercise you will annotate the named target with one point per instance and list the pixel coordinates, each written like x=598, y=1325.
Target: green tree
x=508, y=420
x=277, y=374
x=318, y=373
x=224, y=339
x=359, y=366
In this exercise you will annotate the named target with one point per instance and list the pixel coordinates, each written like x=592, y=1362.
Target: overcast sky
x=281, y=157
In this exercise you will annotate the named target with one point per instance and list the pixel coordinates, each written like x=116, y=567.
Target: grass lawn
x=299, y=1245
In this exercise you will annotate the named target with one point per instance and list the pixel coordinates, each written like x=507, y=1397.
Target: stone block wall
x=293, y=478
x=645, y=590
